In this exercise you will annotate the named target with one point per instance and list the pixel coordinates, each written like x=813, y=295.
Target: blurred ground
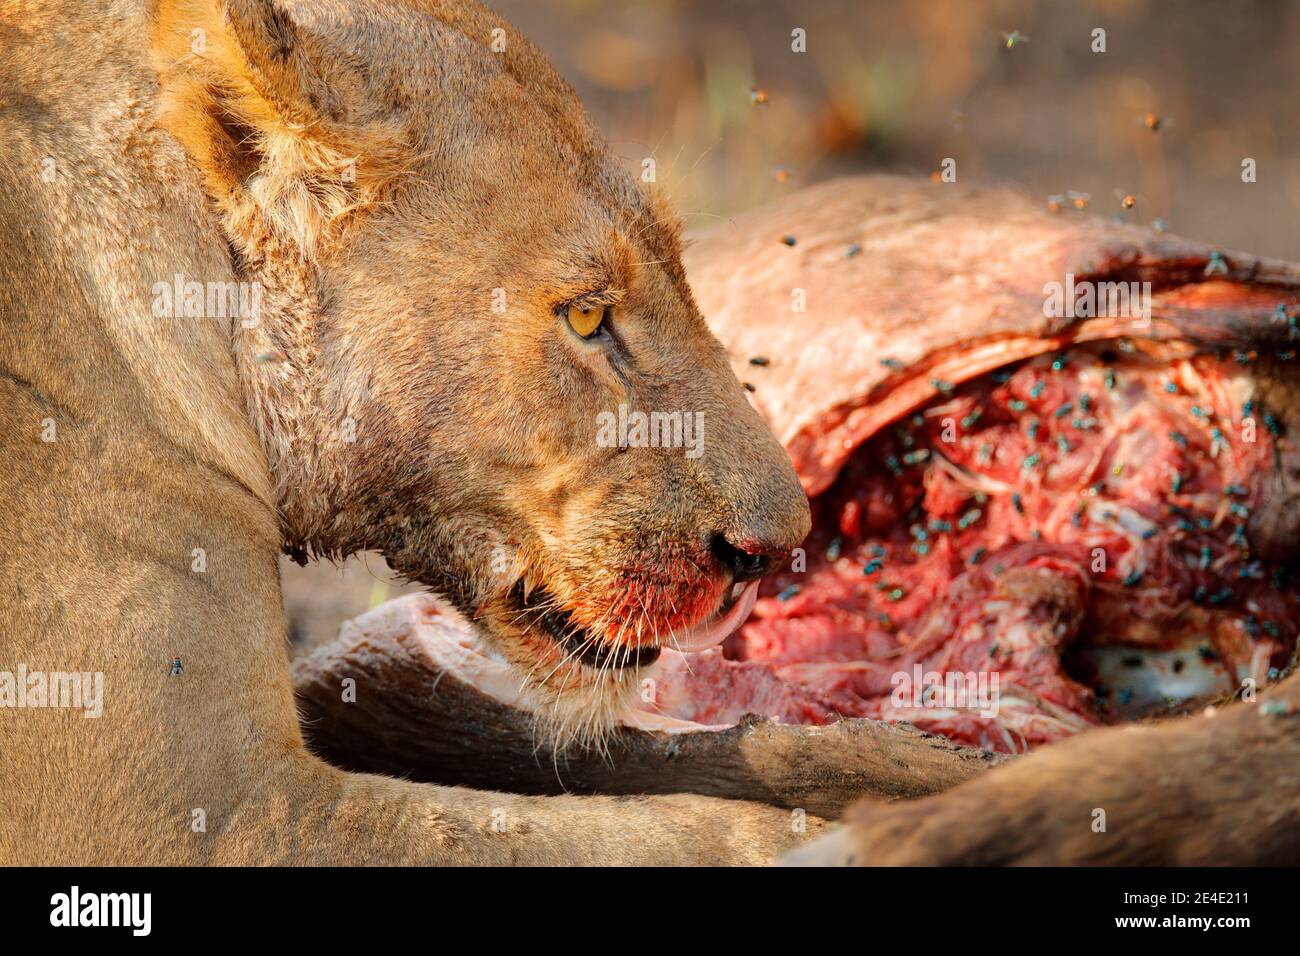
x=321, y=596
x=900, y=86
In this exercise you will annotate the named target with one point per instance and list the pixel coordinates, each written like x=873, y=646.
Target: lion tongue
x=716, y=629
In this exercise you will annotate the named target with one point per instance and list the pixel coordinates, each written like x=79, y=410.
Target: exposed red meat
x=707, y=689
x=906, y=287
x=1066, y=539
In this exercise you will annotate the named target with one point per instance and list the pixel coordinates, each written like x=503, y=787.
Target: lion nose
x=747, y=560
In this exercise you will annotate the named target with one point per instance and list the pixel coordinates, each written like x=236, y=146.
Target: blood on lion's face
x=476, y=350
x=587, y=488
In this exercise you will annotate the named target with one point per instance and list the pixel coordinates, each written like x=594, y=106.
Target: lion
x=322, y=277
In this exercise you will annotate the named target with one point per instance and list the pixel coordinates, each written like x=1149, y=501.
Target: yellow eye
x=585, y=320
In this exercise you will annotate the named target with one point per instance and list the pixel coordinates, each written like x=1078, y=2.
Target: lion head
x=474, y=348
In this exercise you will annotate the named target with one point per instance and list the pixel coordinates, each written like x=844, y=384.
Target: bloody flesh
x=1070, y=533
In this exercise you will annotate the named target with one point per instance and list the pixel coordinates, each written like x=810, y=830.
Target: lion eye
x=585, y=320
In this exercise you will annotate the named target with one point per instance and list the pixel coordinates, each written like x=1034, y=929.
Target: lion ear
x=248, y=95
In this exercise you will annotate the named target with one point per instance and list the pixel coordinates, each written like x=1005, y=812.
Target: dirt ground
x=900, y=86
